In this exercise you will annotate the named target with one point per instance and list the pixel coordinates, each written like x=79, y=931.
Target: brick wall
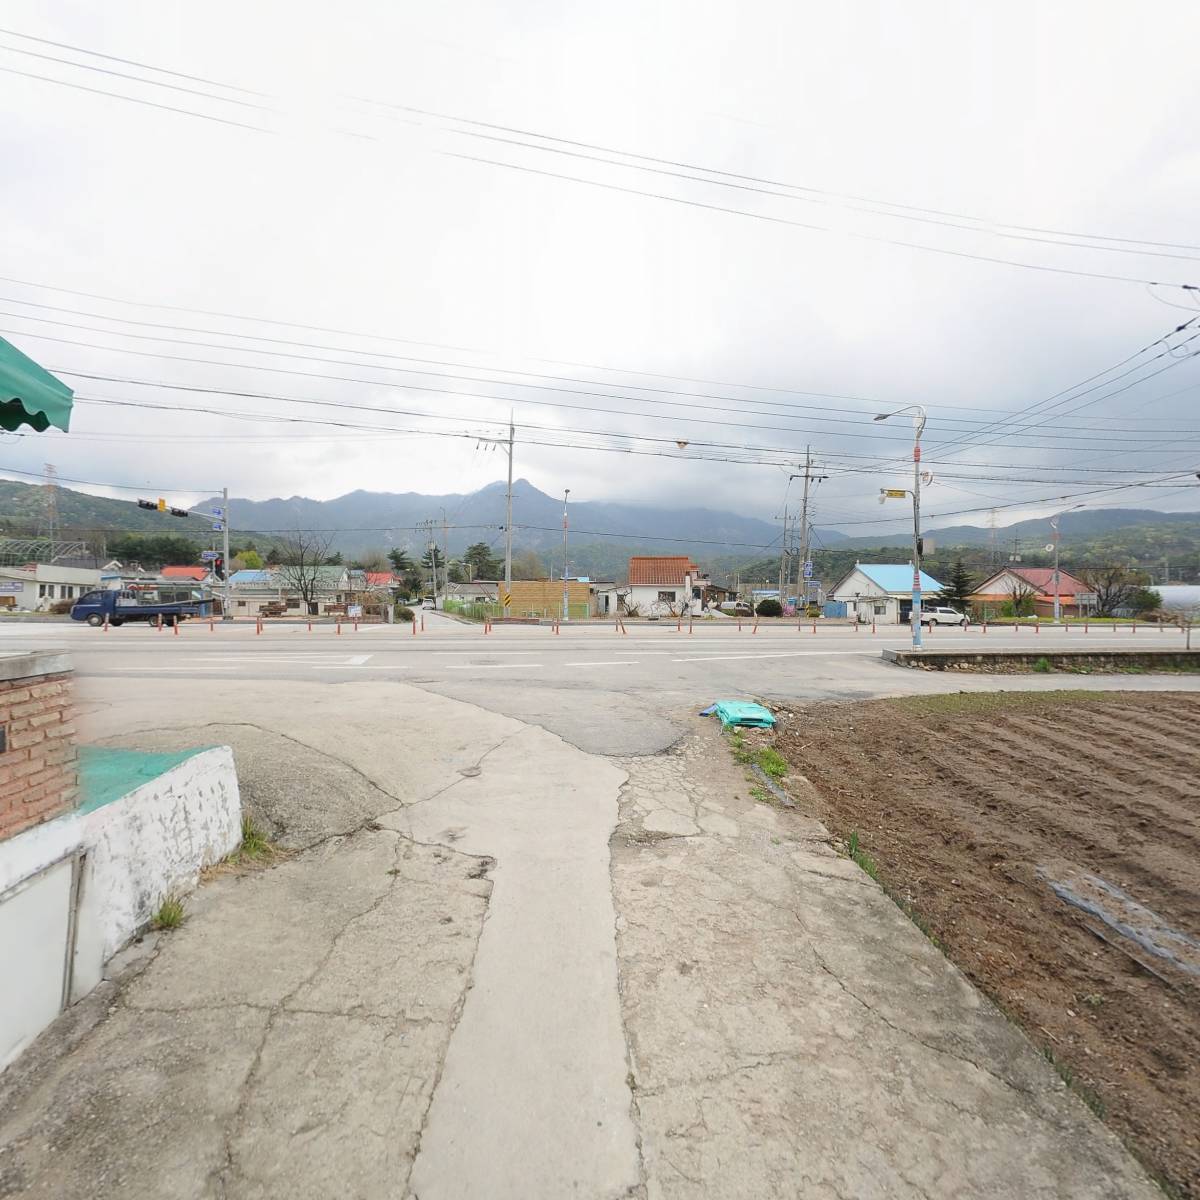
x=38, y=763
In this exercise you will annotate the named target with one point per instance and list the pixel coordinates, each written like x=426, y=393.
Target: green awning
x=30, y=395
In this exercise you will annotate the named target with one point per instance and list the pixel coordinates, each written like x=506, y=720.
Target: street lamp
x=919, y=417
x=566, y=607
x=1054, y=520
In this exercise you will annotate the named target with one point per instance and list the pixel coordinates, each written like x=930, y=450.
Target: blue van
x=171, y=603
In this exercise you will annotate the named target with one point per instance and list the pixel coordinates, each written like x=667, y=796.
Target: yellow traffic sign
x=894, y=493
x=505, y=598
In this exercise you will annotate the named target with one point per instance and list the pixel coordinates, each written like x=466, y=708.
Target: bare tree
x=1113, y=587
x=1022, y=597
x=301, y=557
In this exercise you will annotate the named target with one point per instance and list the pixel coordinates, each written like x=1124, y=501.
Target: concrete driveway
x=536, y=943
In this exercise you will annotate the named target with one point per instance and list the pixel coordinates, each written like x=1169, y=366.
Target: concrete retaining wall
x=126, y=855
x=1016, y=662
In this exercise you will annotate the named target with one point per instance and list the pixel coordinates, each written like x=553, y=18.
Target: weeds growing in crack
x=170, y=914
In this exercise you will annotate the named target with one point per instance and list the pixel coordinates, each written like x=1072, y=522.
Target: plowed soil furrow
x=960, y=800
x=1154, y=740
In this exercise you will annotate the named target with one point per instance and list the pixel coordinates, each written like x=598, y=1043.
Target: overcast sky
x=335, y=212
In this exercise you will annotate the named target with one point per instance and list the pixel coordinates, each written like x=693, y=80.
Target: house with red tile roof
x=668, y=585
x=1036, y=582
x=198, y=574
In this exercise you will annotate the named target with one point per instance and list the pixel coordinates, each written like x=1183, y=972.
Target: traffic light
x=218, y=567
x=147, y=504
x=180, y=512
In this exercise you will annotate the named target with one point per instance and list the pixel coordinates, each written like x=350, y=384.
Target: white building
x=882, y=592
x=34, y=588
x=668, y=585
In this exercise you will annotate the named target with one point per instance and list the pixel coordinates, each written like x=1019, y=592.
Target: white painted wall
x=35, y=921
x=150, y=843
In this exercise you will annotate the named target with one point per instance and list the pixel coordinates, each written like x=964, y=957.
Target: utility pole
x=507, y=444
x=508, y=522
x=919, y=419
x=445, y=555
x=227, y=600
x=809, y=477
x=783, y=555
x=52, y=507
x=566, y=607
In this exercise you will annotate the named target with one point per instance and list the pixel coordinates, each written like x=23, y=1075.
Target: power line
x=741, y=400
x=392, y=339
x=697, y=173
x=749, y=214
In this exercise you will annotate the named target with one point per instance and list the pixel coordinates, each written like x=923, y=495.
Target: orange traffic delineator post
x=755, y=629
x=355, y=624
x=689, y=624
x=175, y=626
x=339, y=628
x=160, y=622
x=310, y=625
x=1133, y=627
x=422, y=622
x=106, y=624
x=414, y=626
x=212, y=625
x=1037, y=627
x=814, y=627
x=872, y=626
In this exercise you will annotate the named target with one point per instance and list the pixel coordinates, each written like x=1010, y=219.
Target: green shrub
x=1042, y=666
x=404, y=613
x=770, y=608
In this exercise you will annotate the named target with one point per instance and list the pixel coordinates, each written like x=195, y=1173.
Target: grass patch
x=1042, y=666
x=860, y=856
x=170, y=914
x=255, y=843
x=772, y=762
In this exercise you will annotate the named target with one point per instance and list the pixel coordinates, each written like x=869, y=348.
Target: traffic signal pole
x=227, y=594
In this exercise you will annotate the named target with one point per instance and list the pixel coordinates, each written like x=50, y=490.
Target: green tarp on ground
x=29, y=394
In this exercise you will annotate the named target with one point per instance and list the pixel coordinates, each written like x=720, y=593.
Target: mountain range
x=602, y=533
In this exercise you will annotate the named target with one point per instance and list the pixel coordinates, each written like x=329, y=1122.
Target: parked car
x=938, y=615
x=739, y=608
x=428, y=602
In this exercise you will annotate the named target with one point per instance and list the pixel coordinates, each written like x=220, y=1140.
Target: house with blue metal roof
x=882, y=592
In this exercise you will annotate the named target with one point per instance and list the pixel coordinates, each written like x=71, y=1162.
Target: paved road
x=601, y=691
x=519, y=952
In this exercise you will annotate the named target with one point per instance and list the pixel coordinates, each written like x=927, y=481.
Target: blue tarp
x=741, y=712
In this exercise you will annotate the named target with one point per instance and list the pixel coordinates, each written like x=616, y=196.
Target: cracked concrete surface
x=477, y=976
x=793, y=1034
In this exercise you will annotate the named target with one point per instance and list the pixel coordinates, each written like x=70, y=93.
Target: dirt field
x=976, y=808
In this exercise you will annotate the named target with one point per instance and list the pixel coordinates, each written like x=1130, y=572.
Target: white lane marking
x=357, y=660
x=619, y=662
x=490, y=666
x=361, y=667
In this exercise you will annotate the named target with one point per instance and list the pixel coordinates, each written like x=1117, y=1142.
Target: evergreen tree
x=400, y=561
x=960, y=585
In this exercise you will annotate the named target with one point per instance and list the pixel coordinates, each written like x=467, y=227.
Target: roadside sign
x=808, y=569
x=14, y=585
x=505, y=598
x=894, y=493
x=209, y=555
x=1088, y=598
x=218, y=527
x=217, y=512
x=354, y=610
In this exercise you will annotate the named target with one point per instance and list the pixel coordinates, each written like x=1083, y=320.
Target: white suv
x=942, y=616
